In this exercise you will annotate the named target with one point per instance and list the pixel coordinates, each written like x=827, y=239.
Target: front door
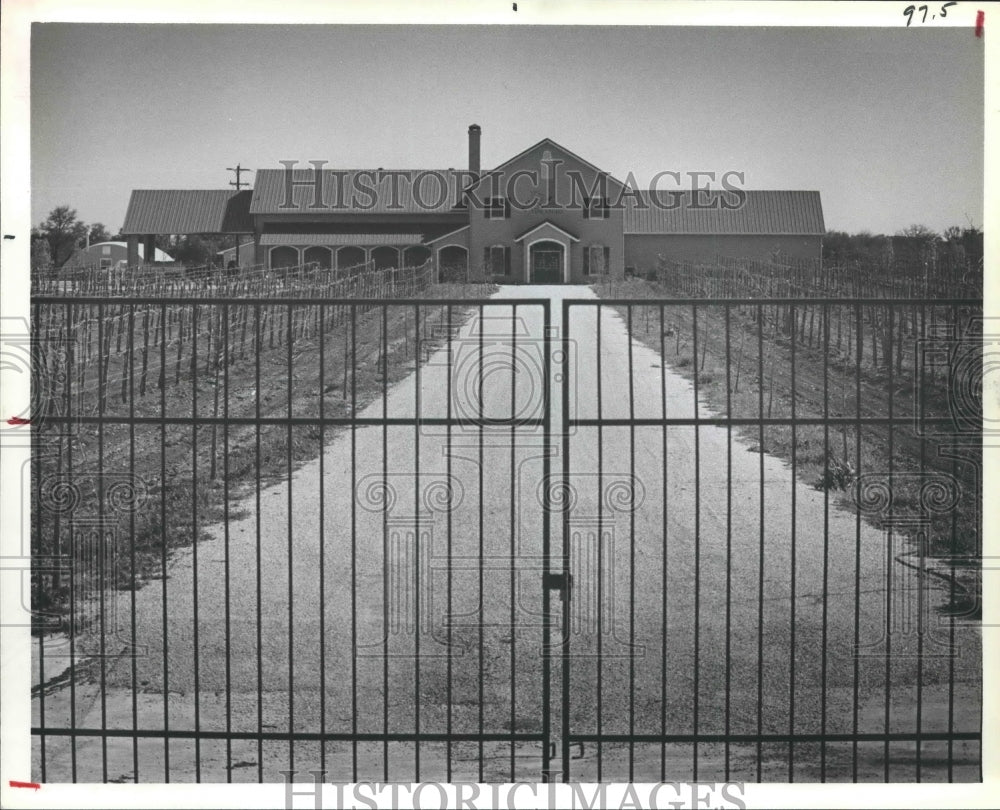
x=546, y=263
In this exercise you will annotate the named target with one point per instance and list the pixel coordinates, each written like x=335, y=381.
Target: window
x=596, y=260
x=105, y=250
x=595, y=207
x=497, y=208
x=496, y=260
x=105, y=264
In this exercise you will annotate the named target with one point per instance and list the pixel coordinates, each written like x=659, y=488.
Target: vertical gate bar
x=321, y=328
x=826, y=536
x=386, y=562
x=791, y=637
x=887, y=356
x=353, y=332
x=131, y=522
x=631, y=562
x=417, y=550
x=226, y=537
x=72, y=575
x=697, y=540
x=448, y=450
x=37, y=529
x=258, y=349
x=289, y=339
x=922, y=545
x=163, y=540
x=663, y=590
x=513, y=549
x=760, y=518
x=951, y=615
x=566, y=562
x=102, y=558
x=600, y=556
x=194, y=538
x=547, y=351
x=482, y=536
x=729, y=536
x=858, y=354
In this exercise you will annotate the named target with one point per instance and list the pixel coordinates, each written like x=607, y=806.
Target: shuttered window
x=596, y=260
x=496, y=260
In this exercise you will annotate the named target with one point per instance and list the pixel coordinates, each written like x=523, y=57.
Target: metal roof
x=360, y=239
x=764, y=213
x=360, y=191
x=161, y=211
x=448, y=235
x=243, y=246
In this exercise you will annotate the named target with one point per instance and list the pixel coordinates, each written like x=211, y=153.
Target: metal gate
x=460, y=539
x=291, y=536
x=770, y=513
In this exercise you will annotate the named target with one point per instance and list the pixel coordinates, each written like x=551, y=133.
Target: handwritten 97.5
x=908, y=12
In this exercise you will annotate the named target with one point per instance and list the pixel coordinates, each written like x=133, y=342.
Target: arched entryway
x=547, y=262
x=319, y=255
x=385, y=257
x=453, y=263
x=284, y=256
x=416, y=256
x=350, y=256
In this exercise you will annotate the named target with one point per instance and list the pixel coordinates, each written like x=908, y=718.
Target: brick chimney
x=474, y=135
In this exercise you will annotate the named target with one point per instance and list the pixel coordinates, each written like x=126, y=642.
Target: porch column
x=132, y=250
x=259, y=251
x=149, y=248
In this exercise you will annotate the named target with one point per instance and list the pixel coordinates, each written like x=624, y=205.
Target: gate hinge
x=561, y=582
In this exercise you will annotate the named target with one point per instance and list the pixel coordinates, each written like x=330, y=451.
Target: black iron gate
x=771, y=513
x=292, y=535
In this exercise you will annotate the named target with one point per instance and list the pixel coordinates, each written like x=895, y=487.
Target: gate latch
x=561, y=582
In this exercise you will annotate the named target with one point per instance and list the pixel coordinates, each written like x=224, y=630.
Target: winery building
x=545, y=215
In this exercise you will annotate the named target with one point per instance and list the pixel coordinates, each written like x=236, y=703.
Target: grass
x=172, y=480
x=751, y=369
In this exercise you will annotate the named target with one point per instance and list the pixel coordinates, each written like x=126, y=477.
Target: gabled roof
x=546, y=224
x=163, y=211
x=373, y=191
x=764, y=213
x=544, y=142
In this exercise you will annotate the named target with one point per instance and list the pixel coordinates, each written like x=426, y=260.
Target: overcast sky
x=886, y=123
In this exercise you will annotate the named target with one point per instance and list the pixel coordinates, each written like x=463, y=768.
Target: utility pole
x=238, y=184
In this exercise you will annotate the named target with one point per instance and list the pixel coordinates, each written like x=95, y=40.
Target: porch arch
x=453, y=263
x=319, y=254
x=350, y=256
x=283, y=256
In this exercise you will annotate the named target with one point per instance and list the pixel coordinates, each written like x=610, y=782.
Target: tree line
x=62, y=232
x=958, y=249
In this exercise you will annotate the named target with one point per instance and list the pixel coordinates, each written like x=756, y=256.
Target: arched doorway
x=318, y=254
x=416, y=255
x=547, y=261
x=284, y=256
x=385, y=257
x=453, y=263
x=350, y=256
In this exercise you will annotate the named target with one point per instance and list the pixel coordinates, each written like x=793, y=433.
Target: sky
x=886, y=123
